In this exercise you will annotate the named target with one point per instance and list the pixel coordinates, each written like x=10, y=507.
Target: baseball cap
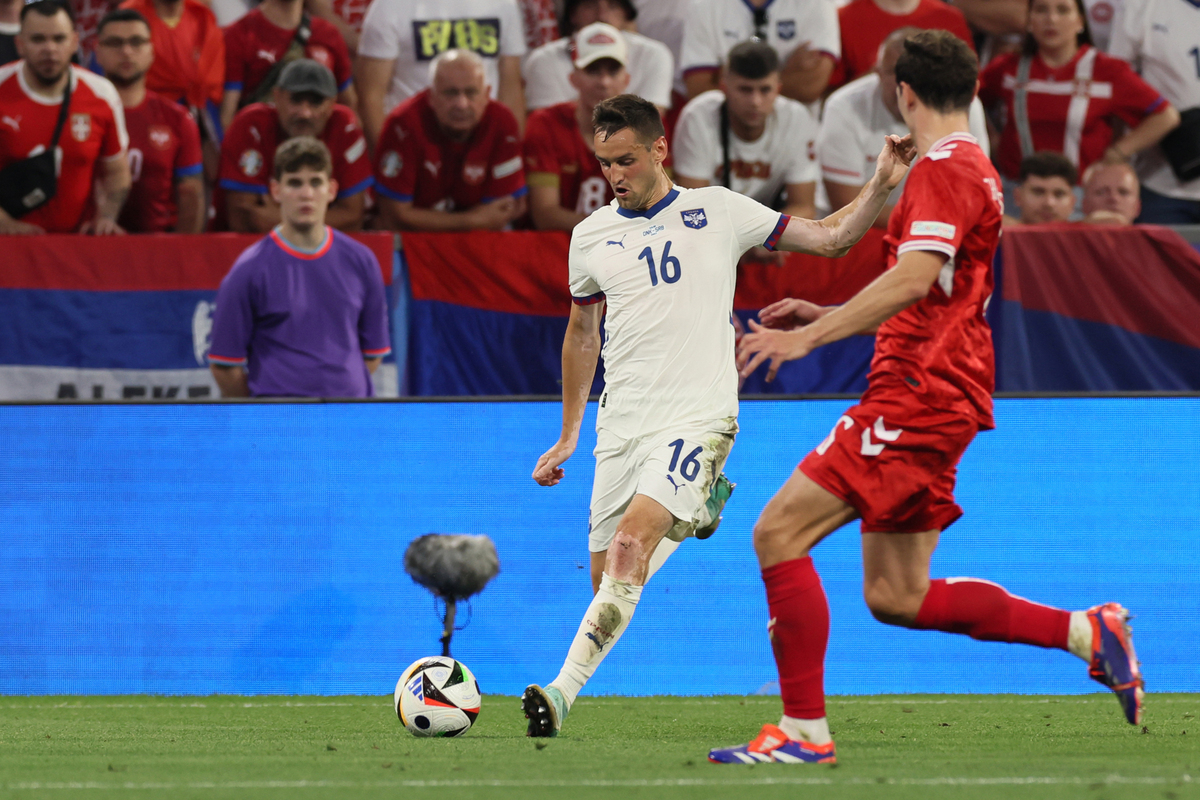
x=596, y=41
x=306, y=75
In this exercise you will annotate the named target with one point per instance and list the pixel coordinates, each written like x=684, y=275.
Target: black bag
x=31, y=182
x=261, y=92
x=1182, y=146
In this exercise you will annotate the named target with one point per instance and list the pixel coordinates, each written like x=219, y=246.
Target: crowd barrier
x=257, y=548
x=1076, y=309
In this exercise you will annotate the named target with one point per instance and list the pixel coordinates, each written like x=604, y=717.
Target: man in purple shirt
x=302, y=313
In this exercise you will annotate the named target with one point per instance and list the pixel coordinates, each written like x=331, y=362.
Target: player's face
x=599, y=81
x=590, y=11
x=46, y=44
x=303, y=113
x=124, y=52
x=1054, y=23
x=1043, y=200
x=751, y=101
x=1112, y=187
x=459, y=96
x=303, y=197
x=630, y=166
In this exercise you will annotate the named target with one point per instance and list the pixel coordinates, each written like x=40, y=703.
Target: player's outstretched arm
x=581, y=351
x=836, y=234
x=889, y=294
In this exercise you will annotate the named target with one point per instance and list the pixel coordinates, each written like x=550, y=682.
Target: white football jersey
x=413, y=32
x=785, y=152
x=668, y=274
x=547, y=72
x=714, y=26
x=1101, y=15
x=1161, y=38
x=853, y=129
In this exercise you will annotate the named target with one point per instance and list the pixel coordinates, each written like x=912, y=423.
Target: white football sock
x=813, y=731
x=660, y=556
x=1079, y=636
x=605, y=621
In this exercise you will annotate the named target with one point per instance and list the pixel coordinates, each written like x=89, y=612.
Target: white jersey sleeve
x=839, y=144
x=512, y=30
x=547, y=72
x=802, y=130
x=655, y=69
x=753, y=224
x=1129, y=32
x=584, y=288
x=381, y=30
x=702, y=42
x=697, y=139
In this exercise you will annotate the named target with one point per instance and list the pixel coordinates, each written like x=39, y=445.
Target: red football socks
x=799, y=630
x=985, y=611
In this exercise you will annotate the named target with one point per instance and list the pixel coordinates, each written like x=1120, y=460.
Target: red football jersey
x=1070, y=112
x=253, y=44
x=164, y=146
x=248, y=153
x=555, y=152
x=353, y=11
x=416, y=163
x=940, y=348
x=94, y=130
x=865, y=25
x=189, y=57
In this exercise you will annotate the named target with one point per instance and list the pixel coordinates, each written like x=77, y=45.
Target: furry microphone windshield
x=453, y=566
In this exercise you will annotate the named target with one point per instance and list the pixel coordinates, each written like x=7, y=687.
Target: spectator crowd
x=132, y=116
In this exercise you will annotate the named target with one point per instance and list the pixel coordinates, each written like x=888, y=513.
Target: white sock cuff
x=621, y=590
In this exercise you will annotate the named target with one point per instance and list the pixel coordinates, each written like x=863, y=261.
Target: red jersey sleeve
x=243, y=167
x=342, y=67
x=188, y=159
x=506, y=173
x=933, y=219
x=352, y=165
x=397, y=159
x=540, y=153
x=235, y=57
x=211, y=67
x=1134, y=99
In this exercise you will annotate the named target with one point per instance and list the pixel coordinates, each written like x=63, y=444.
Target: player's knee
x=889, y=606
x=624, y=555
x=766, y=539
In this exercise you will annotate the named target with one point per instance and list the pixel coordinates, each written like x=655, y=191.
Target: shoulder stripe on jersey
x=517, y=195
x=392, y=193
x=927, y=244
x=590, y=300
x=233, y=86
x=780, y=226
x=189, y=171
x=235, y=186
x=346, y=84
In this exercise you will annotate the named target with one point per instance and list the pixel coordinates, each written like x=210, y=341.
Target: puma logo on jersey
x=620, y=243
x=673, y=483
x=267, y=55
x=433, y=167
x=12, y=122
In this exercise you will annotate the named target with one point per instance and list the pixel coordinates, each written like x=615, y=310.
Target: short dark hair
x=753, y=60
x=48, y=8
x=628, y=111
x=302, y=151
x=567, y=29
x=1029, y=45
x=1048, y=164
x=940, y=68
x=122, y=15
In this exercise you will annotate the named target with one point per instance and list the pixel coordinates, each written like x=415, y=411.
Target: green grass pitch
x=906, y=746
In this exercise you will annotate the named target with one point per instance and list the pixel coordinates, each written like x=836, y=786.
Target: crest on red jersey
x=81, y=127
x=321, y=55
x=250, y=163
x=391, y=164
x=160, y=136
x=473, y=173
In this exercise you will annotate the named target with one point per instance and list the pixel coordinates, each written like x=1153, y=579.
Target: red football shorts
x=895, y=461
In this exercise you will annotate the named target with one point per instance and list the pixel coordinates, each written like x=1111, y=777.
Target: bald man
x=449, y=158
x=1111, y=195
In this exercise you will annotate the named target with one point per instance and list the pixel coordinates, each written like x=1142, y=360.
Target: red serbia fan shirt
x=94, y=130
x=865, y=25
x=555, y=154
x=164, y=146
x=416, y=163
x=253, y=44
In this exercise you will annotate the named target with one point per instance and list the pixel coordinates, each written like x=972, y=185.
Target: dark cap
x=306, y=75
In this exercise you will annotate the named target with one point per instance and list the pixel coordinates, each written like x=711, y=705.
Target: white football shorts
x=676, y=467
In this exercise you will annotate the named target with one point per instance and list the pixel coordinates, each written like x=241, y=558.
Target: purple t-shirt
x=301, y=322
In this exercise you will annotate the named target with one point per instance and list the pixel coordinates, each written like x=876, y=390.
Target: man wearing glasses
x=164, y=143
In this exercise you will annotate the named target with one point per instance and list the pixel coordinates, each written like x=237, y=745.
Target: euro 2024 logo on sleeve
x=694, y=218
x=202, y=330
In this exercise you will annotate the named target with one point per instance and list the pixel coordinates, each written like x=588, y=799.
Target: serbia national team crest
x=694, y=218
x=786, y=28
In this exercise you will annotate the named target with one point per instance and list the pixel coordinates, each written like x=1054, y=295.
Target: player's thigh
x=613, y=487
x=896, y=573
x=679, y=466
x=800, y=515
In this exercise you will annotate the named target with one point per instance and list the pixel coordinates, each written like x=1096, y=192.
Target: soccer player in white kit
x=664, y=261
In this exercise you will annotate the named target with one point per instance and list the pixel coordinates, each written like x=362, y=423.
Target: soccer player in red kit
x=164, y=143
x=890, y=460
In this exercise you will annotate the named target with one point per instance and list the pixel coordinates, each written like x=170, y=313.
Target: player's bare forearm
x=372, y=364
x=113, y=190
x=251, y=213
x=229, y=107
x=231, y=381
x=547, y=214
x=1149, y=132
x=346, y=213
x=995, y=17
x=189, y=200
x=804, y=78
x=511, y=91
x=371, y=78
x=581, y=353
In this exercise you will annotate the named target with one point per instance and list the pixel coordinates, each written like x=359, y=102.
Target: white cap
x=596, y=41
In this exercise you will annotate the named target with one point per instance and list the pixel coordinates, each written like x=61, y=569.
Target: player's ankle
x=1079, y=636
x=813, y=731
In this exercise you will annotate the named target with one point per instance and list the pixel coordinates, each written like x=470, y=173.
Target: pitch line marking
x=1109, y=780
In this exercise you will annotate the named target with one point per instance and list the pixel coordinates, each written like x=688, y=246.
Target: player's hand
x=894, y=159
x=804, y=58
x=14, y=227
x=791, y=313
x=763, y=344
x=102, y=226
x=549, y=469
x=494, y=215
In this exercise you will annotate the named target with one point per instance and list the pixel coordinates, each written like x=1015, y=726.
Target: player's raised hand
x=763, y=344
x=549, y=469
x=790, y=313
x=894, y=159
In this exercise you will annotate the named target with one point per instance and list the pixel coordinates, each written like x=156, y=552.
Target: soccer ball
x=437, y=696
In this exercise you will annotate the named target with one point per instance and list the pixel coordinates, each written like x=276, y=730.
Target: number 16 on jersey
x=668, y=269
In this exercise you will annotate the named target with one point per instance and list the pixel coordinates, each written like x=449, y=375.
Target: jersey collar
x=957, y=136
x=649, y=213
x=307, y=255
